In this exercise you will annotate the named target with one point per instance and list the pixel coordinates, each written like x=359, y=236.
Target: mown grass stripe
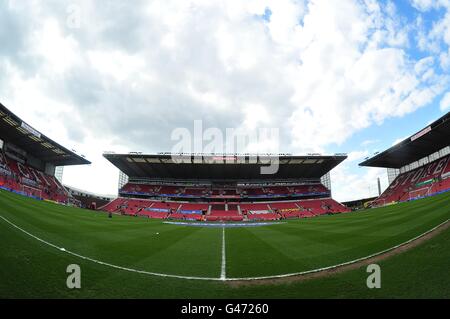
x=221, y=278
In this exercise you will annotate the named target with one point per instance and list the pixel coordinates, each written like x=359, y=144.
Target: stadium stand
x=88, y=200
x=28, y=181
x=194, y=207
x=212, y=193
x=224, y=215
x=423, y=163
x=28, y=160
x=254, y=207
x=420, y=182
x=160, y=188
x=235, y=212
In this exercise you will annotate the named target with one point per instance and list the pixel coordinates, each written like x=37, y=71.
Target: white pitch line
x=342, y=264
x=61, y=249
x=104, y=263
x=223, y=272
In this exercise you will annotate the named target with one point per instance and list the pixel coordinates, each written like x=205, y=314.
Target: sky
x=341, y=76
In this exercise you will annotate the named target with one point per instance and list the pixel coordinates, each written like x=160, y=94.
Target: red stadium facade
x=421, y=163
x=214, y=189
x=28, y=160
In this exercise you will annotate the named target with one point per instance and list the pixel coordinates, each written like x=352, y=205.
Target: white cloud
x=445, y=102
x=58, y=49
x=357, y=155
x=424, y=5
x=351, y=185
x=369, y=142
x=320, y=71
x=437, y=38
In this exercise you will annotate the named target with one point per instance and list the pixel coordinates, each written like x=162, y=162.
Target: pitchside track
x=128, y=248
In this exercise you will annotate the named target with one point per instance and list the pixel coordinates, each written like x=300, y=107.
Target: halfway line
x=223, y=272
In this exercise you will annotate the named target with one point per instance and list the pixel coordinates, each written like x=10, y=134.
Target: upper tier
x=224, y=192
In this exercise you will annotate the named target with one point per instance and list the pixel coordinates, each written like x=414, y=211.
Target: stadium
x=213, y=226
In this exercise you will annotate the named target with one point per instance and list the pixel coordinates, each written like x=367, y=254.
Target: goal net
x=31, y=191
x=381, y=202
x=425, y=191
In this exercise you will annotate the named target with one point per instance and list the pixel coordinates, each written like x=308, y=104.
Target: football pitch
x=129, y=257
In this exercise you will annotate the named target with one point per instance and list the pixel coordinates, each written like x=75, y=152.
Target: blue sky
x=348, y=76
x=379, y=137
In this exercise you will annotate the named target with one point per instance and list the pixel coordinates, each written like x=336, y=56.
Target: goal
x=421, y=192
x=32, y=191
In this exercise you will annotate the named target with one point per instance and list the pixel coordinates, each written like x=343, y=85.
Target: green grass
x=31, y=269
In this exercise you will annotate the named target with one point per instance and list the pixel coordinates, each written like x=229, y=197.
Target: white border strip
x=225, y=225
x=220, y=279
